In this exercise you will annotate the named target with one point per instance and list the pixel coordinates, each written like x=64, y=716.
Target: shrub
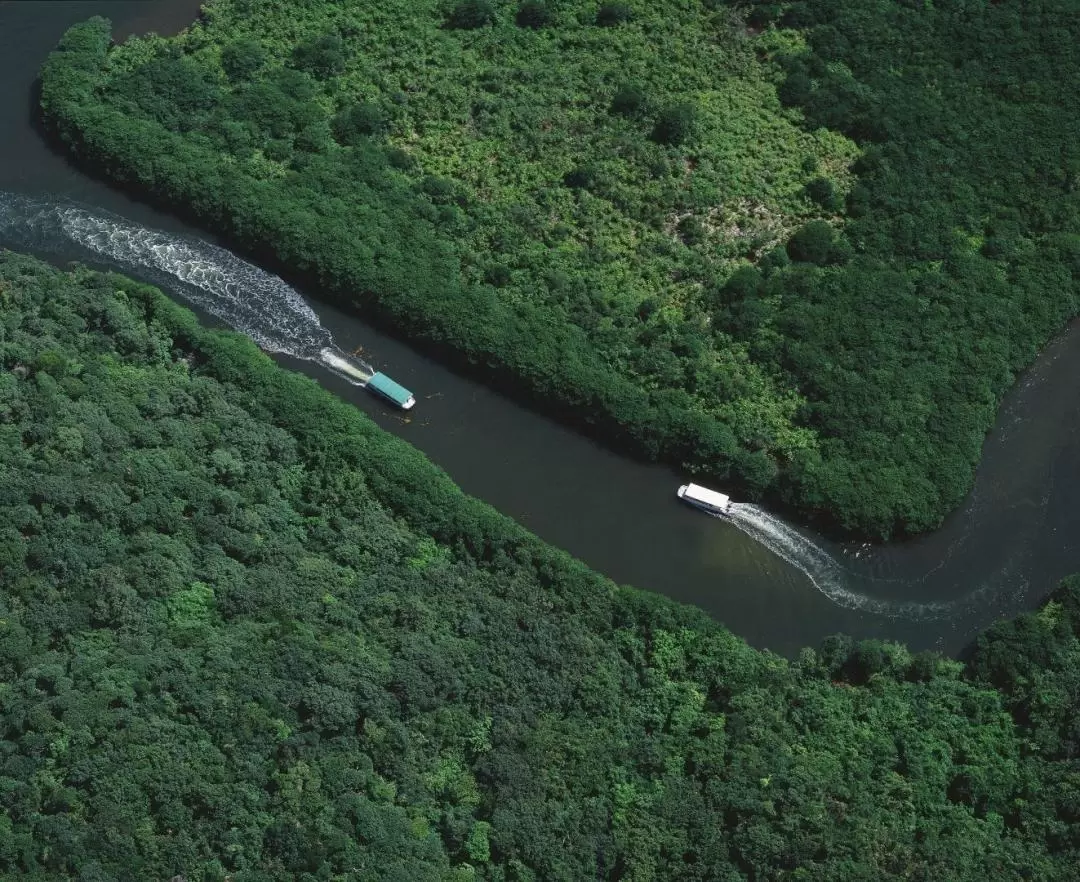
x=533, y=14
x=629, y=101
x=610, y=15
x=674, y=125
x=471, y=14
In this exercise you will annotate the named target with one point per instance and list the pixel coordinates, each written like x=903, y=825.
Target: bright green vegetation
x=245, y=634
x=647, y=217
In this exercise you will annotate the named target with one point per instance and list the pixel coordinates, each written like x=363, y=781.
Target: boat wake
x=274, y=315
x=822, y=569
x=246, y=298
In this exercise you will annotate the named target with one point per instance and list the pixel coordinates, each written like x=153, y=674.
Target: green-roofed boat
x=391, y=391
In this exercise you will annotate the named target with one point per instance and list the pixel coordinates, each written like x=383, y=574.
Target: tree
x=357, y=122
x=629, y=101
x=323, y=57
x=471, y=14
x=674, y=124
x=610, y=15
x=533, y=14
x=812, y=243
x=313, y=139
x=242, y=58
x=757, y=469
x=745, y=282
x=581, y=178
x=497, y=275
x=692, y=230
x=441, y=191
x=174, y=90
x=823, y=192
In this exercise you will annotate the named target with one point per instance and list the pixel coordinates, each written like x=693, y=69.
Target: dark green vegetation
x=245, y=633
x=960, y=254
x=609, y=207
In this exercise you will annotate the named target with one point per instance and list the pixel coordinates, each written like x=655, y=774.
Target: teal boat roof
x=395, y=391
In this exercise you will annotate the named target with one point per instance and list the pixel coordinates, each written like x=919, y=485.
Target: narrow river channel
x=1001, y=553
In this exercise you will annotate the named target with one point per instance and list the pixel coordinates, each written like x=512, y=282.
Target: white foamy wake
x=820, y=567
x=274, y=315
x=246, y=298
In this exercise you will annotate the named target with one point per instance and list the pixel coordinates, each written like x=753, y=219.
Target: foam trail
x=248, y=299
x=274, y=315
x=820, y=567
x=350, y=367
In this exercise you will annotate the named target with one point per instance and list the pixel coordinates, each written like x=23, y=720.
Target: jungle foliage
x=561, y=193
x=246, y=635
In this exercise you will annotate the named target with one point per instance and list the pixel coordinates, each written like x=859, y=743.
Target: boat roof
x=704, y=494
x=392, y=390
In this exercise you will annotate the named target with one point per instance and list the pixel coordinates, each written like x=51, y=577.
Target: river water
x=774, y=584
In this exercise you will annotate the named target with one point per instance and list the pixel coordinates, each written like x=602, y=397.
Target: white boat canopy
x=704, y=496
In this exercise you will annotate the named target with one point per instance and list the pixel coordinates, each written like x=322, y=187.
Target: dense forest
x=246, y=635
x=803, y=246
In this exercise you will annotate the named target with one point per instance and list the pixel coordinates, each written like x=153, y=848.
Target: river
x=1014, y=538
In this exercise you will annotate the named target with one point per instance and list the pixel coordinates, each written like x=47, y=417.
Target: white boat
x=704, y=498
